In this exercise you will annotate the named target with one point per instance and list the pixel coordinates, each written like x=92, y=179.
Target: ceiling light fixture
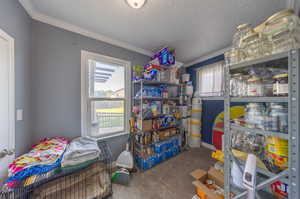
x=136, y=3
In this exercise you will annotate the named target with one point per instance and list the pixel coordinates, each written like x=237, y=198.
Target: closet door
x=7, y=109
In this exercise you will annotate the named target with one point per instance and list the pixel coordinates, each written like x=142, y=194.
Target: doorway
x=7, y=103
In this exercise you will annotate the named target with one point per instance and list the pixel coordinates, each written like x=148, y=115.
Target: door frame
x=12, y=123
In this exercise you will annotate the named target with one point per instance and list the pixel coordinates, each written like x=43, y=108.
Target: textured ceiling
x=194, y=27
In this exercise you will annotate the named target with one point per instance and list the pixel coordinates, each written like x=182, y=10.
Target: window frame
x=86, y=100
x=198, y=70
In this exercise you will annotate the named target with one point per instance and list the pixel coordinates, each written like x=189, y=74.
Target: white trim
x=112, y=136
x=12, y=105
x=27, y=4
x=209, y=56
x=208, y=146
x=291, y=4
x=85, y=55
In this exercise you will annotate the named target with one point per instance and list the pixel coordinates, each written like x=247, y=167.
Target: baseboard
x=208, y=146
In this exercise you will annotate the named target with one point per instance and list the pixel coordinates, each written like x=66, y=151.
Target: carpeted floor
x=169, y=180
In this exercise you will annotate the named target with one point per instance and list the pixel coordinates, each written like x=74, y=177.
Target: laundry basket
x=92, y=180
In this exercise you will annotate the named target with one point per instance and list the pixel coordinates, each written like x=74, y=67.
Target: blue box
x=169, y=144
x=169, y=154
x=160, y=157
x=176, y=150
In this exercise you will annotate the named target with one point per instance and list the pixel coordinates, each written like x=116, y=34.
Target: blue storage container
x=175, y=141
x=159, y=147
x=169, y=154
x=176, y=150
x=160, y=157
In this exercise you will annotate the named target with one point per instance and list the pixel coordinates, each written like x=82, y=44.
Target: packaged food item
x=254, y=115
x=165, y=108
x=278, y=114
x=277, y=152
x=280, y=189
x=154, y=109
x=165, y=56
x=165, y=93
x=280, y=85
x=144, y=125
x=268, y=86
x=165, y=75
x=255, y=87
x=248, y=143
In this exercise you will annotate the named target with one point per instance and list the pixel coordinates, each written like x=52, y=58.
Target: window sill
x=105, y=137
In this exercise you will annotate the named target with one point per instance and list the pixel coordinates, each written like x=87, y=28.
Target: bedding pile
x=81, y=151
x=44, y=157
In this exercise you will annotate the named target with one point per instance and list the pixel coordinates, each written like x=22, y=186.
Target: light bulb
x=136, y=3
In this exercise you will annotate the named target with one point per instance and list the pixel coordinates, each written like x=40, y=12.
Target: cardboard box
x=201, y=176
x=144, y=125
x=164, y=135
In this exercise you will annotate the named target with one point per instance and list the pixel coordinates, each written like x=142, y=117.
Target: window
x=105, y=95
x=210, y=79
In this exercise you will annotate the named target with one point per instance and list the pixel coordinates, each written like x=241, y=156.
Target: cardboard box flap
x=208, y=192
x=216, y=176
x=199, y=173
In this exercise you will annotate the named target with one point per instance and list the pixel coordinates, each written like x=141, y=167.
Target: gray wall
x=15, y=21
x=298, y=7
x=56, y=80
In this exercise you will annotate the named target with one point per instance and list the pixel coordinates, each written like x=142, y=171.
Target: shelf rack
x=156, y=98
x=140, y=84
x=291, y=175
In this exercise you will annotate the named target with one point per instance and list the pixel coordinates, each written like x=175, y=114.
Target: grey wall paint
x=298, y=7
x=15, y=21
x=56, y=80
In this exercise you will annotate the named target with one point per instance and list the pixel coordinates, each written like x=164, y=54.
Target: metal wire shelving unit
x=140, y=100
x=291, y=175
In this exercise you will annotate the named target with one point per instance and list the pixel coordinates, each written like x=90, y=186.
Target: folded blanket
x=80, y=150
x=44, y=157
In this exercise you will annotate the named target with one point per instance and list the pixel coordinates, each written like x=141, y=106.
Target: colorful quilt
x=44, y=157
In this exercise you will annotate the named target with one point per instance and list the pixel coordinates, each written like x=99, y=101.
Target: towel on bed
x=44, y=156
x=80, y=150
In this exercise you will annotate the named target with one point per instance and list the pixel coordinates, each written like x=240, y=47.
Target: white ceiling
x=194, y=27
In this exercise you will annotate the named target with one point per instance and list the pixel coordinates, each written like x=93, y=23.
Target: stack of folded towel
x=80, y=152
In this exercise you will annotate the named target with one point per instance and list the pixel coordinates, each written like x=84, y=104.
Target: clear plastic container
x=255, y=87
x=268, y=86
x=242, y=31
x=254, y=115
x=236, y=84
x=283, y=30
x=256, y=45
x=244, y=86
x=244, y=141
x=280, y=85
x=278, y=112
x=234, y=56
x=266, y=45
x=251, y=45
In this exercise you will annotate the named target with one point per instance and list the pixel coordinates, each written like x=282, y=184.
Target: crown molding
x=208, y=56
x=27, y=4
